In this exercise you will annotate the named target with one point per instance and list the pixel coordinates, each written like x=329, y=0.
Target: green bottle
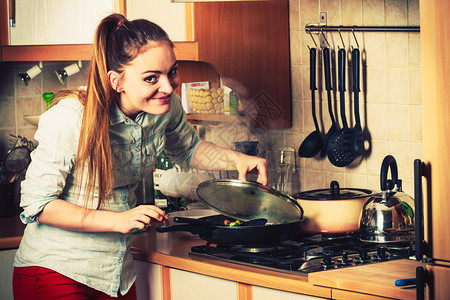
x=164, y=202
x=48, y=97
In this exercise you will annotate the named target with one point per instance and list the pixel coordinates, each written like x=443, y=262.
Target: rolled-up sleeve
x=181, y=138
x=53, y=159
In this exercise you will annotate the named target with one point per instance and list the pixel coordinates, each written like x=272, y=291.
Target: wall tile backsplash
x=390, y=98
x=17, y=100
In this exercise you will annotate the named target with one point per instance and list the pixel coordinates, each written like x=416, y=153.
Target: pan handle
x=192, y=221
x=200, y=230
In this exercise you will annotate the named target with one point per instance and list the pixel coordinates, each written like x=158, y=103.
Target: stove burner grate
x=308, y=254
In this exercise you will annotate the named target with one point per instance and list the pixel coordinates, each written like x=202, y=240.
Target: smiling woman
x=148, y=81
x=95, y=146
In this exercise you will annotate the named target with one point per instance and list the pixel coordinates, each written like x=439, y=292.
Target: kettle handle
x=388, y=162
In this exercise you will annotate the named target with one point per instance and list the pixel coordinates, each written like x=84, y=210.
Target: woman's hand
x=62, y=214
x=139, y=217
x=209, y=156
x=246, y=164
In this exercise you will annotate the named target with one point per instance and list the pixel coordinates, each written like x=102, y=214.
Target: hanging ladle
x=333, y=128
x=338, y=153
x=313, y=142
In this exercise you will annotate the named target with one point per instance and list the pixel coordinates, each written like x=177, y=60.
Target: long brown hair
x=117, y=42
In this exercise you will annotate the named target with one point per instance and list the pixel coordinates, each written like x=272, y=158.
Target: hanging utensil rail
x=318, y=28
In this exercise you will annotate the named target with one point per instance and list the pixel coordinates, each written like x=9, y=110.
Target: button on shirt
x=100, y=260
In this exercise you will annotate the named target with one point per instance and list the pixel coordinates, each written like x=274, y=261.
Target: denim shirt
x=100, y=260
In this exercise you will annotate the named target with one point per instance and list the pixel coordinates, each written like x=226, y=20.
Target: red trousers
x=36, y=283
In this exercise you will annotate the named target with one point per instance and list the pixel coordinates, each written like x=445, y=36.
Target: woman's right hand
x=139, y=218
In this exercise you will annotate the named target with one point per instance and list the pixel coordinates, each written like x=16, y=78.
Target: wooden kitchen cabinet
x=263, y=293
x=192, y=286
x=44, y=44
x=51, y=30
x=55, y=22
x=6, y=274
x=247, y=42
x=149, y=281
x=435, y=46
x=163, y=13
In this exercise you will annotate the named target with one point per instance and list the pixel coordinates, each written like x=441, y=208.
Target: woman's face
x=148, y=82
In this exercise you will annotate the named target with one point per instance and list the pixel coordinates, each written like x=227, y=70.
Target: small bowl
x=33, y=120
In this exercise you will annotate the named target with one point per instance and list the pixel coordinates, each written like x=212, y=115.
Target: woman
x=94, y=146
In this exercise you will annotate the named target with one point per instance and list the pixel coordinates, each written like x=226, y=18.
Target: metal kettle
x=389, y=215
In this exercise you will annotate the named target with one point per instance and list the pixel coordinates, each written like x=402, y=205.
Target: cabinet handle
x=418, y=214
x=421, y=274
x=12, y=13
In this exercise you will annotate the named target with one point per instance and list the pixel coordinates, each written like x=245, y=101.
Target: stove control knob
x=345, y=260
x=326, y=260
x=382, y=254
x=363, y=255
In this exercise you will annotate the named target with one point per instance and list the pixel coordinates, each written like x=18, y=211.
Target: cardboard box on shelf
x=198, y=97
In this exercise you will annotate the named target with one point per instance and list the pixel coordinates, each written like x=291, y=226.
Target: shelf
x=183, y=51
x=204, y=118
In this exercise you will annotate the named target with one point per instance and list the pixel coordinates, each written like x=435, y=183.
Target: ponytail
x=117, y=42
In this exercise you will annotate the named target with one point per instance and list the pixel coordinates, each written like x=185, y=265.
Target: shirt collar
x=117, y=116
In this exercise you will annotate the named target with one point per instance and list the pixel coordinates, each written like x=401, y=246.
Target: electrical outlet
x=323, y=19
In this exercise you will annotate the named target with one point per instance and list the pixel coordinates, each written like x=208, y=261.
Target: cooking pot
x=335, y=210
x=389, y=215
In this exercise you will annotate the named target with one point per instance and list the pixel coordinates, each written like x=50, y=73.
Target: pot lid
x=245, y=200
x=334, y=193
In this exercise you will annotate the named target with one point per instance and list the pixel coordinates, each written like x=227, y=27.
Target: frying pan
x=250, y=236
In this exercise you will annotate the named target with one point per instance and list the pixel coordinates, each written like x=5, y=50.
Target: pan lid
x=246, y=200
x=334, y=193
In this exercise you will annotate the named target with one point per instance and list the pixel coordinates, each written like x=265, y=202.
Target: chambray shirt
x=100, y=260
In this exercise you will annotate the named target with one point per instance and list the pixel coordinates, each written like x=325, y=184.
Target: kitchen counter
x=172, y=250
x=11, y=231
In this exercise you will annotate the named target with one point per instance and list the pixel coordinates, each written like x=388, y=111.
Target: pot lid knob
x=334, y=189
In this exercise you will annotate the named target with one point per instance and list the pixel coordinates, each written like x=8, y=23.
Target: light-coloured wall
x=391, y=105
x=17, y=100
x=390, y=101
x=390, y=98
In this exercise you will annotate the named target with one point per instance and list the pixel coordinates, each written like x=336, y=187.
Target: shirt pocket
x=153, y=147
x=123, y=166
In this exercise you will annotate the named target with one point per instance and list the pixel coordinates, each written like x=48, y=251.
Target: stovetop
x=306, y=254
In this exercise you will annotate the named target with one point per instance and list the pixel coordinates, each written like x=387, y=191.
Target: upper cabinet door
x=174, y=18
x=51, y=22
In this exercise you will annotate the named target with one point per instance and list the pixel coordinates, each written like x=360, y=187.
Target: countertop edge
x=10, y=242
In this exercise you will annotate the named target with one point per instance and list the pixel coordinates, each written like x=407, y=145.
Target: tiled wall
x=390, y=101
x=390, y=98
x=17, y=100
x=391, y=105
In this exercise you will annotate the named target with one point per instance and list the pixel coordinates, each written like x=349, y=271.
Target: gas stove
x=306, y=254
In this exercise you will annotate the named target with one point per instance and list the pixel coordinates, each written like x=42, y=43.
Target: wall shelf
x=206, y=118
